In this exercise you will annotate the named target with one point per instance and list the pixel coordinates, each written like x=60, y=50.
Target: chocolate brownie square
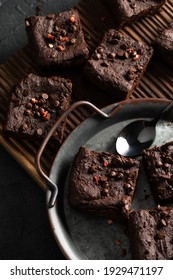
x=118, y=64
x=35, y=104
x=102, y=183
x=57, y=40
x=164, y=45
x=151, y=234
x=128, y=11
x=158, y=163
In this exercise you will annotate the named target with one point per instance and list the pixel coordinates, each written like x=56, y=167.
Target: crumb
x=110, y=222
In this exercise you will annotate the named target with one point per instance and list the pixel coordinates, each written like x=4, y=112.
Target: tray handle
x=51, y=185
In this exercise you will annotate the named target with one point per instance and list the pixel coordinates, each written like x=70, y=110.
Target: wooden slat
x=96, y=18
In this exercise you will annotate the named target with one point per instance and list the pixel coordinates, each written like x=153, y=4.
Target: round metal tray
x=84, y=236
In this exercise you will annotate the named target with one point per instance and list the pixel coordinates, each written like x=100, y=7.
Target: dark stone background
x=24, y=226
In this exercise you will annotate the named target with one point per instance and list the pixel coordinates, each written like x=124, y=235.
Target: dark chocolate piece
x=151, y=234
x=36, y=103
x=103, y=183
x=57, y=40
x=118, y=64
x=128, y=11
x=164, y=46
x=158, y=163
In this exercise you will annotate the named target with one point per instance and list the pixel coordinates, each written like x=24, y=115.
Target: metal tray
x=85, y=236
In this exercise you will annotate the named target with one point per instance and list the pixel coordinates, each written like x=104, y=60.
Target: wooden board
x=96, y=19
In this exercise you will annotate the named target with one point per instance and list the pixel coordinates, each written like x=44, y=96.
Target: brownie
x=57, y=40
x=118, y=64
x=158, y=164
x=128, y=11
x=103, y=183
x=151, y=234
x=35, y=103
x=164, y=45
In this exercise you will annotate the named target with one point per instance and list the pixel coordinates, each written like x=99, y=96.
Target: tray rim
x=61, y=236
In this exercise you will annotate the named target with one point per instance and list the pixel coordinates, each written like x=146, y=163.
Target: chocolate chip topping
x=105, y=64
x=96, y=56
x=39, y=131
x=111, y=55
x=28, y=112
x=45, y=96
x=24, y=127
x=56, y=103
x=100, y=50
x=61, y=36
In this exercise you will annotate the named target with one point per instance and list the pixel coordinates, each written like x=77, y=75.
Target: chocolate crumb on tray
x=158, y=163
x=103, y=183
x=164, y=46
x=36, y=103
x=128, y=11
x=118, y=64
x=57, y=40
x=151, y=234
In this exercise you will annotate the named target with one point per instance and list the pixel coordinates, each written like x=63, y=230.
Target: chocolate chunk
x=111, y=55
x=56, y=103
x=100, y=50
x=120, y=53
x=45, y=96
x=73, y=28
x=25, y=92
x=105, y=64
x=96, y=56
x=73, y=41
x=28, y=105
x=28, y=112
x=24, y=127
x=39, y=131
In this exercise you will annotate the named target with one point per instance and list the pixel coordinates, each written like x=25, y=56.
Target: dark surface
x=24, y=226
